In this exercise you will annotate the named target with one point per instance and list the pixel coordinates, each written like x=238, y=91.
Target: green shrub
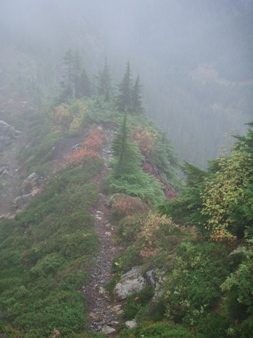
x=135, y=304
x=159, y=330
x=193, y=287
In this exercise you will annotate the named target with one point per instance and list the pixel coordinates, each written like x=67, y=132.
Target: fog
x=194, y=57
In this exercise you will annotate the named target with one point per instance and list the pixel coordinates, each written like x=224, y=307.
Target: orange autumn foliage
x=90, y=148
x=145, y=139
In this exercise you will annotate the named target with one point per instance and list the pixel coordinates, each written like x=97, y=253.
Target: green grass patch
x=45, y=256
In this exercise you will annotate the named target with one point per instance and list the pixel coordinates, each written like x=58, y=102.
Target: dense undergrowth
x=198, y=244
x=201, y=243
x=46, y=249
x=45, y=256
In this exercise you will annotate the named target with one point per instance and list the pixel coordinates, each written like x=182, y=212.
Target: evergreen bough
x=127, y=175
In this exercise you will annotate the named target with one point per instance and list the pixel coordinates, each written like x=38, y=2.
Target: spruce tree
x=68, y=77
x=126, y=153
x=124, y=98
x=77, y=70
x=136, y=106
x=85, y=85
x=68, y=62
x=127, y=175
x=104, y=83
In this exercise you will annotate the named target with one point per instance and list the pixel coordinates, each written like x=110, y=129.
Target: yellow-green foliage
x=70, y=116
x=224, y=191
x=154, y=231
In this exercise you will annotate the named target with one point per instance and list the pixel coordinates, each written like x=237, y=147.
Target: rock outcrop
x=129, y=283
x=7, y=134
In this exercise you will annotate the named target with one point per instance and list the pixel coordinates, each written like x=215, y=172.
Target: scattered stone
x=103, y=291
x=108, y=330
x=117, y=309
x=108, y=233
x=95, y=316
x=130, y=324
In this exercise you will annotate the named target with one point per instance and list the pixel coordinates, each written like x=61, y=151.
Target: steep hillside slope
x=57, y=243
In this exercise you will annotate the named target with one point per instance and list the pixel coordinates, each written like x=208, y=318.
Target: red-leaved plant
x=90, y=148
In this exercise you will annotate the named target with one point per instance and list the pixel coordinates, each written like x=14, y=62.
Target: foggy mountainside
x=194, y=58
x=126, y=168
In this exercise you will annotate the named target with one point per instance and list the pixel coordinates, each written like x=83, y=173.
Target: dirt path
x=104, y=311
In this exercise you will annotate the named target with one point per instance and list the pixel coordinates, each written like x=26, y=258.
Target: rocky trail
x=104, y=310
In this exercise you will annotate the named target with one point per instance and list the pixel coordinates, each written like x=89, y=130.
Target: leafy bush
x=135, y=304
x=191, y=292
x=123, y=205
x=159, y=330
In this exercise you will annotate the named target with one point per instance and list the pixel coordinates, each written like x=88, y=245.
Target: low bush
x=159, y=330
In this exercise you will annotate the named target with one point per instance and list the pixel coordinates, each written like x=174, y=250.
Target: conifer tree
x=68, y=77
x=127, y=175
x=124, y=98
x=77, y=70
x=136, y=106
x=85, y=85
x=126, y=153
x=104, y=83
x=68, y=62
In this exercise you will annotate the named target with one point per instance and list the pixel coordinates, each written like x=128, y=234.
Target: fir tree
x=124, y=98
x=126, y=153
x=104, y=83
x=85, y=85
x=127, y=175
x=136, y=106
x=68, y=62
x=68, y=77
x=77, y=70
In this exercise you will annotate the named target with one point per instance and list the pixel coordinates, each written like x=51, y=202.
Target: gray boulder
x=21, y=201
x=129, y=283
x=31, y=183
x=7, y=134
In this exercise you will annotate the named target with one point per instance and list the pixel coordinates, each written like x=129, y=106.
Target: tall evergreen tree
x=85, y=85
x=104, y=83
x=68, y=62
x=124, y=98
x=126, y=153
x=127, y=175
x=77, y=70
x=136, y=106
x=68, y=77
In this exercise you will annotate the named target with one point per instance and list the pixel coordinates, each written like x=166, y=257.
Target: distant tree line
x=76, y=83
